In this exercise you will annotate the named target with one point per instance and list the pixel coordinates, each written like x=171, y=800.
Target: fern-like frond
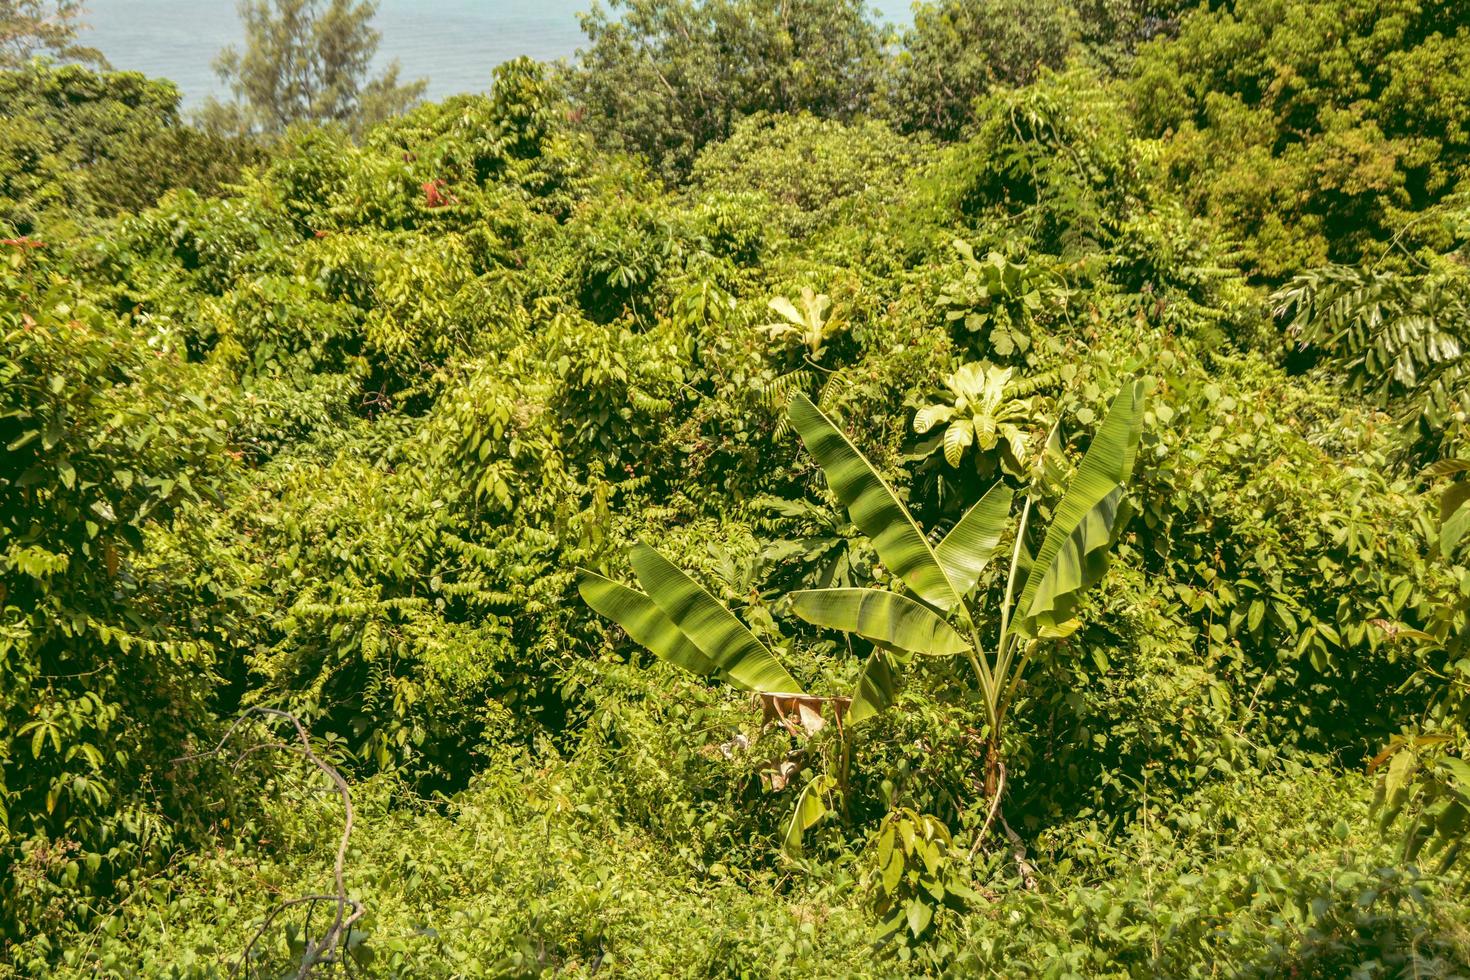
x=837, y=385
x=1024, y=387
x=1392, y=337
x=776, y=393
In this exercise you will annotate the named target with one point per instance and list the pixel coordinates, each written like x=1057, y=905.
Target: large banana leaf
x=1074, y=553
x=882, y=616
x=643, y=620
x=709, y=625
x=966, y=549
x=873, y=506
x=875, y=689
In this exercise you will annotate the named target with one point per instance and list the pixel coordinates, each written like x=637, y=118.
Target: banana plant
x=937, y=616
x=681, y=622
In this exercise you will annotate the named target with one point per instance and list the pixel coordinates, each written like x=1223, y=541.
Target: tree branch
x=347, y=910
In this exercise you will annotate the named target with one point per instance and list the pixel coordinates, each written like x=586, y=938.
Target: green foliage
x=1311, y=132
x=1001, y=303
x=811, y=325
x=917, y=871
x=336, y=432
x=108, y=670
x=958, y=50
x=1424, y=775
x=307, y=61
x=1234, y=477
x=77, y=144
x=1073, y=556
x=667, y=77
x=1399, y=339
x=981, y=412
x=1052, y=162
x=1070, y=559
x=1194, y=884
x=813, y=174
x=31, y=28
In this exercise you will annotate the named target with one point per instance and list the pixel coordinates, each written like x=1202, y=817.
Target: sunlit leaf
x=811, y=807
x=637, y=614
x=1454, y=517
x=873, y=506
x=967, y=548
x=709, y=625
x=1074, y=553
x=875, y=690
x=882, y=616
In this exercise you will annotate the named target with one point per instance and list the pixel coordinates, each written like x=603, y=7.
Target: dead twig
x=332, y=946
x=1018, y=854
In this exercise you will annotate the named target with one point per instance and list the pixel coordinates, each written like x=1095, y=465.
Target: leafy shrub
x=78, y=143
x=668, y=77
x=957, y=51
x=816, y=173
x=1310, y=132
x=108, y=676
x=403, y=387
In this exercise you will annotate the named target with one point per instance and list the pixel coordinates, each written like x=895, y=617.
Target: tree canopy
x=677, y=513
x=50, y=28
x=666, y=77
x=308, y=61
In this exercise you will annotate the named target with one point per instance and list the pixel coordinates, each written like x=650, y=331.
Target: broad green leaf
x=1052, y=466
x=930, y=416
x=875, y=689
x=643, y=620
x=1449, y=831
x=1446, y=467
x=957, y=439
x=873, y=506
x=985, y=431
x=885, y=844
x=919, y=915
x=1399, y=770
x=893, y=873
x=1254, y=616
x=1060, y=631
x=1081, y=560
x=811, y=807
x=1454, y=517
x=882, y=616
x=1459, y=772
x=713, y=629
x=1074, y=553
x=967, y=548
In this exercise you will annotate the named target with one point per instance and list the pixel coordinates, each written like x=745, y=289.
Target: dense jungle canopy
x=770, y=496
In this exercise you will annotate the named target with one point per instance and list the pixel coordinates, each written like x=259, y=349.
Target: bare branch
x=331, y=948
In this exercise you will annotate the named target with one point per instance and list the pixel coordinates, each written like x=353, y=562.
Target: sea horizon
x=455, y=45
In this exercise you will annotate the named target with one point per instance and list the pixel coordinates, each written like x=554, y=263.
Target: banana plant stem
x=1005, y=608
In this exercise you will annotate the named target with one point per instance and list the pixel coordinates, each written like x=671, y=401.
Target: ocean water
x=453, y=43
